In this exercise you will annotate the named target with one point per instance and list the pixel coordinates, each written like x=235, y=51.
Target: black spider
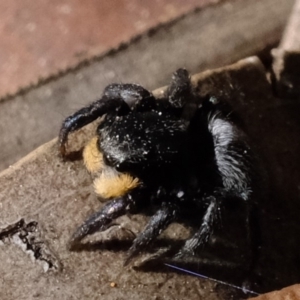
x=154, y=150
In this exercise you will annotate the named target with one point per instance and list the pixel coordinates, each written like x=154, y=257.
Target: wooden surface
x=58, y=196
x=289, y=293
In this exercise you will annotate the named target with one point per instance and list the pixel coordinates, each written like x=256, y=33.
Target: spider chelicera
x=153, y=150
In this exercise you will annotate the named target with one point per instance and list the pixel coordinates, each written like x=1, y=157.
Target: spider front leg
x=117, y=98
x=201, y=237
x=158, y=222
x=101, y=219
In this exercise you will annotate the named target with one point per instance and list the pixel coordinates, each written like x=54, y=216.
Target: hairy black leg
x=201, y=237
x=116, y=98
x=236, y=165
x=133, y=95
x=101, y=219
x=180, y=88
x=158, y=222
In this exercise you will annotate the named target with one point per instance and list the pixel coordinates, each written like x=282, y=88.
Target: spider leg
x=117, y=98
x=201, y=237
x=158, y=222
x=102, y=218
x=180, y=88
x=236, y=164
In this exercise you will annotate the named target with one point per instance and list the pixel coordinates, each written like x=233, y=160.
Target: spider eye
x=107, y=160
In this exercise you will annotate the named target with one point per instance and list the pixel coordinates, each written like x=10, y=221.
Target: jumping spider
x=152, y=150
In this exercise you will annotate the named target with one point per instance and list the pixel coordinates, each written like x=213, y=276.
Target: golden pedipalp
x=92, y=157
x=110, y=183
x=107, y=186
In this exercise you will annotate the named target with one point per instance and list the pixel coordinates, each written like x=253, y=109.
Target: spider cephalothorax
x=149, y=149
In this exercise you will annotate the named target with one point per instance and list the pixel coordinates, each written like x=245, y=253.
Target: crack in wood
x=28, y=237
